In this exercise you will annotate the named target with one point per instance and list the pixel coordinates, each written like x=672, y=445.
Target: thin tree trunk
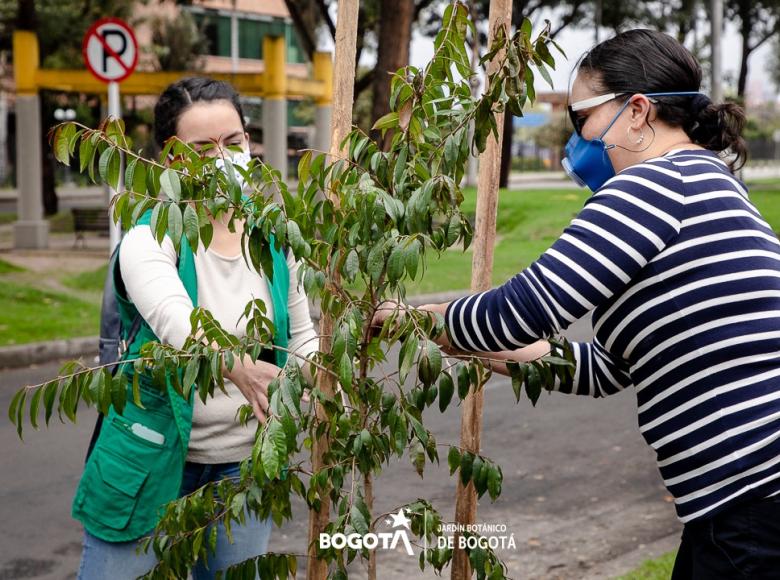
x=481, y=278
x=395, y=35
x=343, y=85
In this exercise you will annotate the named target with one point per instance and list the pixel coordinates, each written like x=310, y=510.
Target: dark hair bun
x=719, y=127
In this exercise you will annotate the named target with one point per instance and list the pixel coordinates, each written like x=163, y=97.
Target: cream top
x=225, y=286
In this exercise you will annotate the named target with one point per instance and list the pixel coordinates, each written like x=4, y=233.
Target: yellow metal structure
x=273, y=83
x=26, y=61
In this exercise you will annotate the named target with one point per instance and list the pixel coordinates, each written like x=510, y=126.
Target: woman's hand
x=252, y=379
x=386, y=309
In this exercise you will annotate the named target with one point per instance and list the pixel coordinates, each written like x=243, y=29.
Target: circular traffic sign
x=110, y=50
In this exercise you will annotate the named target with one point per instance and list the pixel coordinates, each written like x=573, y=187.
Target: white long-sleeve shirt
x=225, y=286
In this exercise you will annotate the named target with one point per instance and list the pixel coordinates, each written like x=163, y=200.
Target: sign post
x=110, y=52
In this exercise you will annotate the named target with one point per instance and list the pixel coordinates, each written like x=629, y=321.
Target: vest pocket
x=114, y=485
x=134, y=470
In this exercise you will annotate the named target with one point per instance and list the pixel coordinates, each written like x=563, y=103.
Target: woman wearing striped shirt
x=682, y=275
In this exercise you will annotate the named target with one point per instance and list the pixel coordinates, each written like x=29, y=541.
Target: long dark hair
x=648, y=61
x=182, y=94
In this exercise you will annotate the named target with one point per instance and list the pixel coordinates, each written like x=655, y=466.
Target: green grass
x=91, y=281
x=658, y=569
x=7, y=267
x=38, y=315
x=766, y=197
x=528, y=223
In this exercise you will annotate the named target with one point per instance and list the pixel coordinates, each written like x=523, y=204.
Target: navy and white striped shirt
x=683, y=276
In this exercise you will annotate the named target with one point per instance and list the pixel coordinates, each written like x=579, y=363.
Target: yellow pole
x=26, y=59
x=275, y=104
x=323, y=73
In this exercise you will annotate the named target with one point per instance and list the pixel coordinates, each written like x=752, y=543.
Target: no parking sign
x=110, y=50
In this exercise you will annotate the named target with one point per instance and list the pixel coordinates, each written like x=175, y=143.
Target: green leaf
x=446, y=390
x=159, y=221
x=86, y=150
x=412, y=258
x=170, y=184
x=525, y=28
x=495, y=477
x=49, y=397
x=34, y=403
x=303, y=167
x=376, y=262
x=395, y=264
x=358, y=519
x=345, y=370
x=191, y=229
x=466, y=464
x=351, y=265
x=407, y=356
x=389, y=121
x=453, y=459
x=103, y=162
x=545, y=74
x=274, y=448
x=294, y=238
x=136, y=390
x=464, y=383
x=175, y=227
x=139, y=179
x=533, y=384
x=61, y=143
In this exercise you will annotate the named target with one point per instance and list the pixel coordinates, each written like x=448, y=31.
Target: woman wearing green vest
x=147, y=457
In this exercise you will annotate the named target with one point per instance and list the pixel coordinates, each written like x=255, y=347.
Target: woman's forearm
x=496, y=361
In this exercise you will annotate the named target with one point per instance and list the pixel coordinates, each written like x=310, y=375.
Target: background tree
x=757, y=23
x=177, y=43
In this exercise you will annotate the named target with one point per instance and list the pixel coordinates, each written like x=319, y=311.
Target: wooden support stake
x=343, y=83
x=481, y=280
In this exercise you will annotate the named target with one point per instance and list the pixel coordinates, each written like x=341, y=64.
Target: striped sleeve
x=621, y=228
x=598, y=373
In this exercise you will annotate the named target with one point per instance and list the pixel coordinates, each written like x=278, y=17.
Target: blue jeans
x=742, y=541
x=119, y=561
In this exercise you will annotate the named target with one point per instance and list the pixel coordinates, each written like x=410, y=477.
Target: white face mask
x=241, y=160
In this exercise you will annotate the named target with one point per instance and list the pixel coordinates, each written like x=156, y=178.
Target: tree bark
x=343, y=97
x=48, y=163
x=481, y=280
x=395, y=35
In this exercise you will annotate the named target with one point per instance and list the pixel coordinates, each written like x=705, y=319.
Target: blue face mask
x=587, y=161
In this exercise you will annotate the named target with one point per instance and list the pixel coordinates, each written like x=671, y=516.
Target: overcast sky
x=576, y=41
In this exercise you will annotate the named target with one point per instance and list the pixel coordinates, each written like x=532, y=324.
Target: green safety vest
x=128, y=479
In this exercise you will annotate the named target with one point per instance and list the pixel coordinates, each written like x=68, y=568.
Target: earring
x=641, y=135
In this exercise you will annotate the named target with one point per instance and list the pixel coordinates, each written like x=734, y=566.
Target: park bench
x=89, y=219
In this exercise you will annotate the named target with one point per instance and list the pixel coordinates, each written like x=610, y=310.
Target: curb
x=24, y=355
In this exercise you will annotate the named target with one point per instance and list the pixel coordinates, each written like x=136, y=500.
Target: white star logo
x=400, y=519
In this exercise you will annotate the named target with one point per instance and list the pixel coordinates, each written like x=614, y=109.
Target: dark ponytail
x=181, y=95
x=648, y=61
x=719, y=127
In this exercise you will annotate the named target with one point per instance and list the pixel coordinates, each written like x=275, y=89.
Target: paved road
x=581, y=494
